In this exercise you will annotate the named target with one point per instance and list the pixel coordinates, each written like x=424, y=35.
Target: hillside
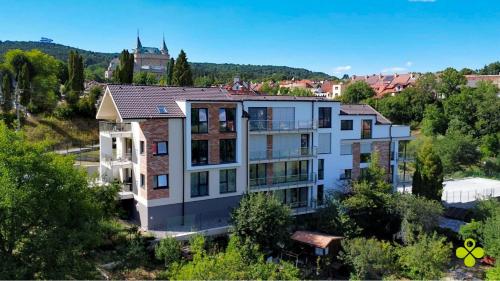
x=218, y=72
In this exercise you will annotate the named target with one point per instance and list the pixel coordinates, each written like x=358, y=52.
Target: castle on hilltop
x=146, y=59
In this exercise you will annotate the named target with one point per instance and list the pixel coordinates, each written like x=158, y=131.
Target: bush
x=63, y=111
x=493, y=273
x=168, y=250
x=427, y=258
x=369, y=258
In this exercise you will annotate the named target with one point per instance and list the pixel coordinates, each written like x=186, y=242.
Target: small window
x=321, y=194
x=227, y=119
x=141, y=147
x=199, y=184
x=366, y=129
x=346, y=175
x=162, y=109
x=325, y=117
x=199, y=152
x=321, y=169
x=143, y=180
x=227, y=181
x=324, y=143
x=160, y=181
x=160, y=148
x=346, y=125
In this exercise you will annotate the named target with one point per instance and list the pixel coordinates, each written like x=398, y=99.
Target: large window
x=227, y=181
x=160, y=148
x=365, y=152
x=346, y=125
x=325, y=117
x=199, y=184
x=366, y=130
x=199, y=152
x=321, y=169
x=324, y=143
x=290, y=171
x=258, y=173
x=227, y=121
x=160, y=181
x=346, y=149
x=199, y=120
x=258, y=118
x=227, y=150
x=346, y=175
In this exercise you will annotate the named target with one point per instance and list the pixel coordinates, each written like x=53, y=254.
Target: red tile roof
x=315, y=239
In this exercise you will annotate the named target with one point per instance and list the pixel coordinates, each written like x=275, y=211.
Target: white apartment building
x=186, y=156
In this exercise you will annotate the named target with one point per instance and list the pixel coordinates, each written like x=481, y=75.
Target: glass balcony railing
x=273, y=125
x=114, y=127
x=270, y=154
x=117, y=159
x=278, y=181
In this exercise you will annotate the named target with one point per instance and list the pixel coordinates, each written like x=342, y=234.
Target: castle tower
x=164, y=49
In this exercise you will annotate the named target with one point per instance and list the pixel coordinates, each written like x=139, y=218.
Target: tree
x=427, y=258
x=427, y=84
x=182, y=75
x=333, y=219
x=170, y=72
x=428, y=176
x=24, y=85
x=49, y=217
x=450, y=82
x=457, y=151
x=124, y=73
x=76, y=77
x=370, y=259
x=240, y=261
x=7, y=92
x=168, y=250
x=434, y=121
x=262, y=220
x=145, y=78
x=357, y=91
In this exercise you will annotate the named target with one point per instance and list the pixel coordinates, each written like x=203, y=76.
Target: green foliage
x=418, y=216
x=490, y=69
x=333, y=219
x=145, y=78
x=369, y=258
x=182, y=75
x=472, y=230
x=232, y=264
x=457, y=151
x=262, y=220
x=426, y=258
x=356, y=92
x=428, y=176
x=170, y=72
x=168, y=250
x=76, y=77
x=434, y=121
x=450, y=81
x=7, y=92
x=493, y=273
x=124, y=73
x=49, y=217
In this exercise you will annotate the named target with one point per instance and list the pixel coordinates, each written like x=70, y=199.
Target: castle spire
x=164, y=48
x=139, y=45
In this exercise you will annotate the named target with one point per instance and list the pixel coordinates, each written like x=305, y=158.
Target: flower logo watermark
x=469, y=252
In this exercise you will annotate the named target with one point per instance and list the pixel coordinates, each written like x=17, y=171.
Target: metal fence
x=463, y=196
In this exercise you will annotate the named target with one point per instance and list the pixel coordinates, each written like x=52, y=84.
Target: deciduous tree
x=357, y=91
x=428, y=176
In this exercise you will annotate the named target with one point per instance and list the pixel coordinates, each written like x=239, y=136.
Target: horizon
x=359, y=37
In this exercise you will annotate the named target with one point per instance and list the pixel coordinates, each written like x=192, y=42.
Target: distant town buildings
x=387, y=84
x=146, y=59
x=473, y=79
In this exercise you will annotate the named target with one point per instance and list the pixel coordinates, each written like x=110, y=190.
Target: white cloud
x=423, y=1
x=341, y=69
x=394, y=69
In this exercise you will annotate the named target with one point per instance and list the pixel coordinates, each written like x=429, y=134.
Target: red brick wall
x=153, y=130
x=383, y=149
x=356, y=159
x=214, y=135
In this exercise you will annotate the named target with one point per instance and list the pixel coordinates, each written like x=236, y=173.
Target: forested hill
x=217, y=72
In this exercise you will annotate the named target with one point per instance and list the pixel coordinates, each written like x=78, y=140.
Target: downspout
x=391, y=154
x=183, y=167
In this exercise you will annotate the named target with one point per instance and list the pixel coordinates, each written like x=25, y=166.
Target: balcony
x=262, y=126
x=115, y=129
x=118, y=161
x=282, y=181
x=408, y=157
x=277, y=154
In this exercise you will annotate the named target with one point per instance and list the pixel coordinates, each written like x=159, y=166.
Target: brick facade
x=214, y=134
x=356, y=159
x=384, y=151
x=153, y=130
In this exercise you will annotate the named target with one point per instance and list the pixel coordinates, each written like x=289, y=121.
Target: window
x=321, y=194
x=227, y=181
x=290, y=171
x=366, y=152
x=199, y=152
x=346, y=175
x=160, y=148
x=283, y=118
x=366, y=129
x=325, y=117
x=258, y=118
x=346, y=125
x=160, y=181
x=324, y=143
x=346, y=149
x=258, y=174
x=227, y=119
x=227, y=150
x=162, y=109
x=199, y=184
x=199, y=120
x=143, y=180
x=321, y=169
x=141, y=147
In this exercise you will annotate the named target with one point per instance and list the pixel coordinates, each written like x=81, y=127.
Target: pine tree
x=76, y=78
x=24, y=84
x=125, y=71
x=182, y=75
x=170, y=71
x=428, y=176
x=6, y=93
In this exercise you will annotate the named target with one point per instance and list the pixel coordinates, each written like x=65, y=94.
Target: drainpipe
x=391, y=154
x=183, y=167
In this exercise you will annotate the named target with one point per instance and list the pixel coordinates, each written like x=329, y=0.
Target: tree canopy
x=356, y=92
x=182, y=75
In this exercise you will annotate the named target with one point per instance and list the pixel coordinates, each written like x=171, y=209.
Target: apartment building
x=186, y=156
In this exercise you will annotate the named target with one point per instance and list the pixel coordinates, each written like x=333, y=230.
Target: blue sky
x=335, y=36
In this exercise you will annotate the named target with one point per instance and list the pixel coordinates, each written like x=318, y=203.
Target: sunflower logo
x=469, y=252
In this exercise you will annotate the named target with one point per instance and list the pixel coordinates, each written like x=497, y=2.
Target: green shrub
x=168, y=250
x=63, y=111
